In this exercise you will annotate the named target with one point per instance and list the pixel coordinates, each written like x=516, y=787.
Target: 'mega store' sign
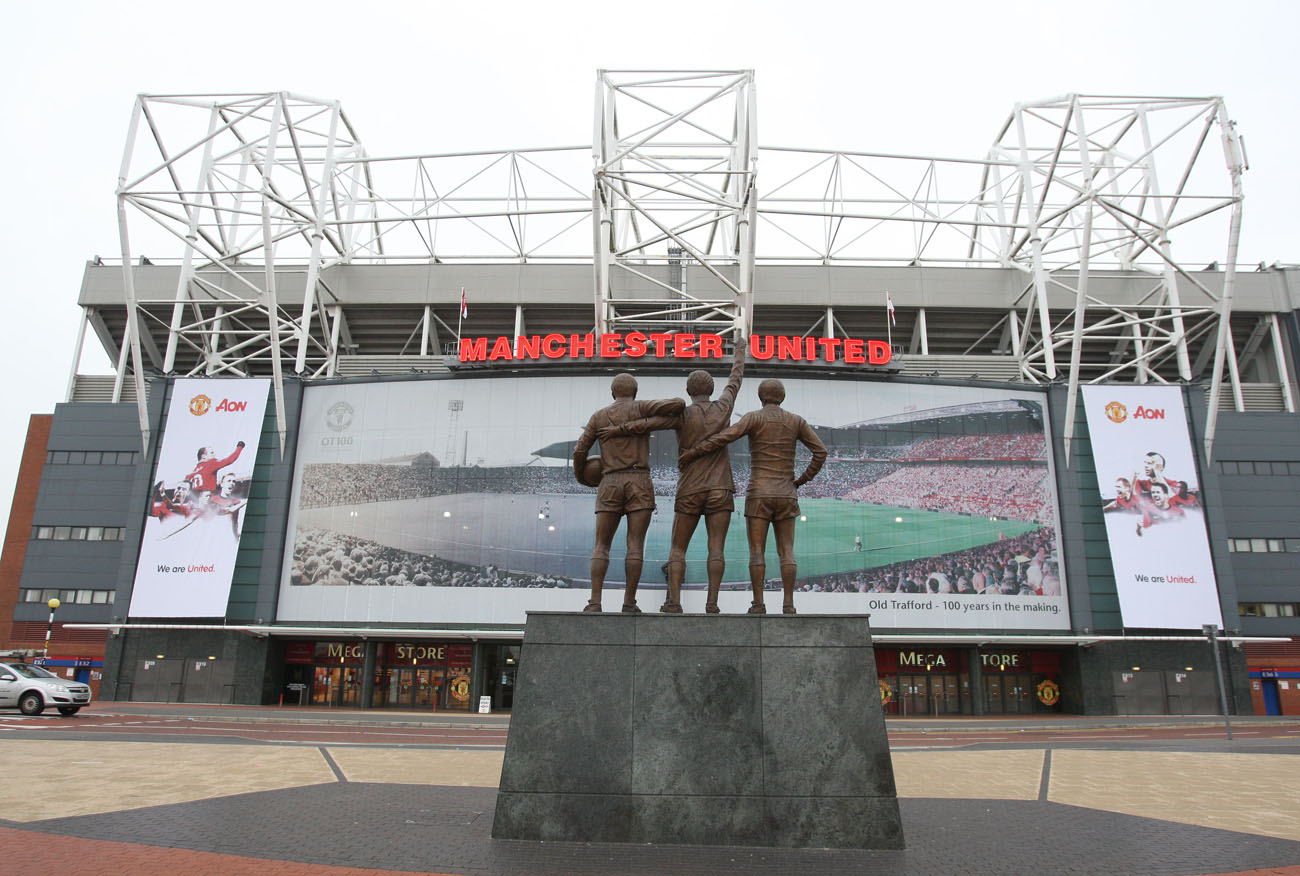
x=634, y=345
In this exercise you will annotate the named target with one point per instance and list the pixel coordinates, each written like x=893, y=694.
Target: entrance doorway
x=413, y=688
x=1008, y=693
x=934, y=693
x=501, y=666
x=337, y=686
x=1272, y=701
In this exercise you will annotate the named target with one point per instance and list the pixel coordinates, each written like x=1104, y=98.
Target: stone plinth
x=700, y=729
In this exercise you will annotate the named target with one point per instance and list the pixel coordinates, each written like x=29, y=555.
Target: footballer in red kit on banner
x=1151, y=498
x=196, y=504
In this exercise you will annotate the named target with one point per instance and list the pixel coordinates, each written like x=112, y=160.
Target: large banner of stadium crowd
x=454, y=501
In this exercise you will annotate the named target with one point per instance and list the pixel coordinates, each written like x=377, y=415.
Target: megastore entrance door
x=934, y=693
x=417, y=687
x=1008, y=692
x=337, y=686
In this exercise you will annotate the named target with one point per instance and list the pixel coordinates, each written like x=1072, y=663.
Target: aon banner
x=1155, y=517
x=197, y=498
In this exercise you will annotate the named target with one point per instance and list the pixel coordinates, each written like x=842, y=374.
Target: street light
x=1212, y=633
x=49, y=625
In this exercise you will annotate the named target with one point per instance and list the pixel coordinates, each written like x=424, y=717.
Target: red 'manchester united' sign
x=634, y=345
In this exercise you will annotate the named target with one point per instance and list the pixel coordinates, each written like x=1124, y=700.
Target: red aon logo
x=228, y=405
x=1140, y=414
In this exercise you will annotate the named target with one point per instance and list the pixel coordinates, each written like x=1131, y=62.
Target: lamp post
x=1212, y=633
x=49, y=625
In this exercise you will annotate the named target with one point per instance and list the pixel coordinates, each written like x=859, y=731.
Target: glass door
x=350, y=687
x=949, y=700
x=914, y=695
x=993, y=694
x=1019, y=693
x=324, y=689
x=426, y=687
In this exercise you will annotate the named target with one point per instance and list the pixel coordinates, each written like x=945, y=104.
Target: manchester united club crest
x=1048, y=692
x=1116, y=412
x=339, y=416
x=200, y=405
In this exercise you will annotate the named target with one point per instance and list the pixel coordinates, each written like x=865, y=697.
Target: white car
x=31, y=688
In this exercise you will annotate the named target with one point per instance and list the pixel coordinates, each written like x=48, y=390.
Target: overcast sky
x=932, y=78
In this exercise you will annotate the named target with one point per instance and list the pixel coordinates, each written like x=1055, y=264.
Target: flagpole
x=889, y=322
x=460, y=315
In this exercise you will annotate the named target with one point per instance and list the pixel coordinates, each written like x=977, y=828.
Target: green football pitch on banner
x=825, y=542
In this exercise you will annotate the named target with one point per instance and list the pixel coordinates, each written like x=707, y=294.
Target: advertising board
x=196, y=503
x=454, y=501
x=1154, y=510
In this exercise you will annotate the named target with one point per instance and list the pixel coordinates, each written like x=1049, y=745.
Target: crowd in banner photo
x=1024, y=565
x=333, y=559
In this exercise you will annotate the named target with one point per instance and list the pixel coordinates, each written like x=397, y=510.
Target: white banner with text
x=197, y=499
x=1151, y=497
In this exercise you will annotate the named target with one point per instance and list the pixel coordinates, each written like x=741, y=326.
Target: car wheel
x=69, y=711
x=31, y=703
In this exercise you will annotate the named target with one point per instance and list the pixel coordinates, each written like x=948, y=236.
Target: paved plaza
x=113, y=805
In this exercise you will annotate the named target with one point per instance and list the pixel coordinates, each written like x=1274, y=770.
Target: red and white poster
x=1152, y=500
x=197, y=498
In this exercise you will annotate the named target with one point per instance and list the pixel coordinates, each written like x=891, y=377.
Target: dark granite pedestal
x=758, y=730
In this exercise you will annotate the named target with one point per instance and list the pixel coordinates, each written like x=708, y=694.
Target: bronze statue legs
x=638, y=522
x=715, y=525
x=756, y=529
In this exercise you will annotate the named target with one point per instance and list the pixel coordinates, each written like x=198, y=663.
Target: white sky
x=931, y=78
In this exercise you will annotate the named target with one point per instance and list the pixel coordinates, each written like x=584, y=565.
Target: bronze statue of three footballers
x=705, y=486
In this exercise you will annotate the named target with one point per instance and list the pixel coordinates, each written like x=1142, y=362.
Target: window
x=99, y=597
x=90, y=457
x=1263, y=545
x=78, y=533
x=83, y=597
x=1268, y=609
x=1258, y=467
x=31, y=596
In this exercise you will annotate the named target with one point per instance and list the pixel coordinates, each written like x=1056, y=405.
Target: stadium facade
x=334, y=464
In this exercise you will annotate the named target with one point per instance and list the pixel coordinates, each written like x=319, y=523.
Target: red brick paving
x=26, y=853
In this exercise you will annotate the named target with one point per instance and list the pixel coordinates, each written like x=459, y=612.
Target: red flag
x=464, y=304
x=889, y=302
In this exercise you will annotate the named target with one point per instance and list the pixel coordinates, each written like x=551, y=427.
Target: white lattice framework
x=675, y=180
x=261, y=194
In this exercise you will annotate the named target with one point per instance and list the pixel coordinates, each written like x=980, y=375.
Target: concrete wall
x=1088, y=686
